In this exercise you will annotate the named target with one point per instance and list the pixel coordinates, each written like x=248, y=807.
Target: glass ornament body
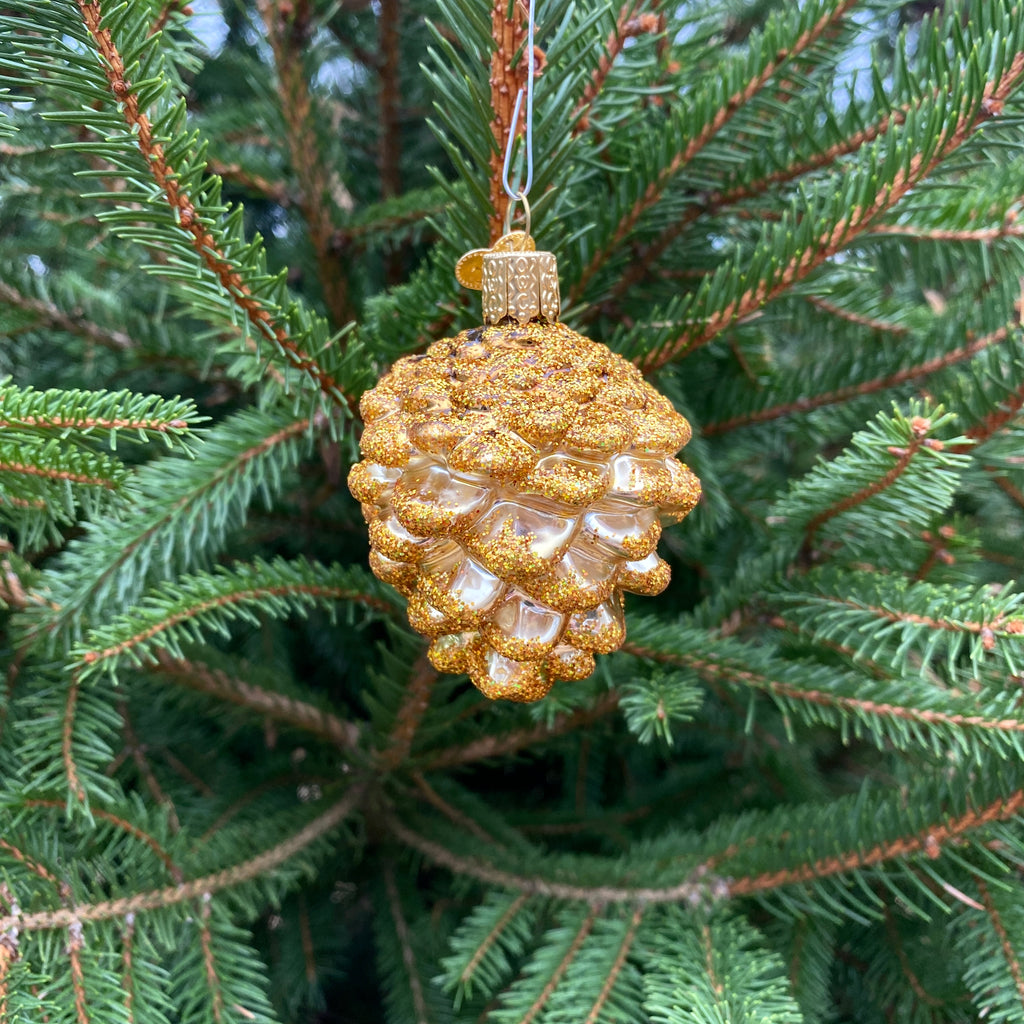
x=515, y=480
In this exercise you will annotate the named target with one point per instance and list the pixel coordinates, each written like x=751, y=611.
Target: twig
x=288, y=26
x=410, y=714
x=186, y=215
x=155, y=899
x=510, y=743
x=405, y=943
x=205, y=679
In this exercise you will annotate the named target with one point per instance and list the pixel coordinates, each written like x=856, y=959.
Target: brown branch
x=908, y=972
x=779, y=622
x=77, y=325
x=509, y=37
x=491, y=937
x=948, y=234
x=167, y=180
x=629, y=25
x=511, y=743
x=570, y=954
x=688, y=889
x=717, y=672
x=995, y=421
x=170, y=8
x=871, y=323
x=239, y=805
x=209, y=962
x=1009, y=953
x=90, y=423
x=155, y=899
x=652, y=194
x=127, y=968
x=840, y=235
x=183, y=771
x=295, y=429
x=928, y=842
x=616, y=968
x=33, y=865
x=306, y=940
x=125, y=826
x=56, y=474
x=67, y=741
x=390, y=152
x=138, y=754
x=8, y=954
x=226, y=601
x=390, y=147
x=275, y=191
x=205, y=679
x=410, y=714
x=919, y=430
x=453, y=814
x=999, y=626
x=288, y=25
x=405, y=942
x=716, y=201
x=709, y=960
x=904, y=376
x=74, y=948
x=1013, y=492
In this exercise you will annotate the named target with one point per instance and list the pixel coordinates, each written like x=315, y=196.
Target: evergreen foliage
x=232, y=789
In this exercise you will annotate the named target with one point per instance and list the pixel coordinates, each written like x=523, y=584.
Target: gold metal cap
x=517, y=282
x=520, y=285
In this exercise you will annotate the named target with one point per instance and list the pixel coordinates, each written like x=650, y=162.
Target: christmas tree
x=233, y=785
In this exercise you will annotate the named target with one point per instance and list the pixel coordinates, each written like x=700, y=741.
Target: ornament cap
x=520, y=285
x=517, y=282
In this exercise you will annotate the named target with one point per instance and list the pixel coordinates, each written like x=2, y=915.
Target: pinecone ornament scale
x=515, y=479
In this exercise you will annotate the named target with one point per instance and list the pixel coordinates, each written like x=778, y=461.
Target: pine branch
x=184, y=513
x=80, y=414
x=713, y=119
x=282, y=707
x=510, y=743
x=721, y=200
x=899, y=712
x=631, y=22
x=196, y=888
x=288, y=30
x=185, y=211
x=711, y=970
x=903, y=376
x=410, y=714
x=402, y=930
x=554, y=977
x=839, y=232
x=616, y=969
x=178, y=613
x=871, y=323
x=50, y=315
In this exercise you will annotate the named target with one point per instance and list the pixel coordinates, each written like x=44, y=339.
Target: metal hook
x=510, y=209
x=521, y=193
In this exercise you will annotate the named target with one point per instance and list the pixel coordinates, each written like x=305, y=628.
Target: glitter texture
x=515, y=481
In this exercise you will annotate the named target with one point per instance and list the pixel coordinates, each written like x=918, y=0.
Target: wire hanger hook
x=519, y=195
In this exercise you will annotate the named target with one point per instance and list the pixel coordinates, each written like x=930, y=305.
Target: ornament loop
x=509, y=216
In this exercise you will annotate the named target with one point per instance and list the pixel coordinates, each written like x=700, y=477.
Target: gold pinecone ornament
x=515, y=479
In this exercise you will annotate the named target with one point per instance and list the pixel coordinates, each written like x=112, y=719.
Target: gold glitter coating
x=515, y=479
x=649, y=576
